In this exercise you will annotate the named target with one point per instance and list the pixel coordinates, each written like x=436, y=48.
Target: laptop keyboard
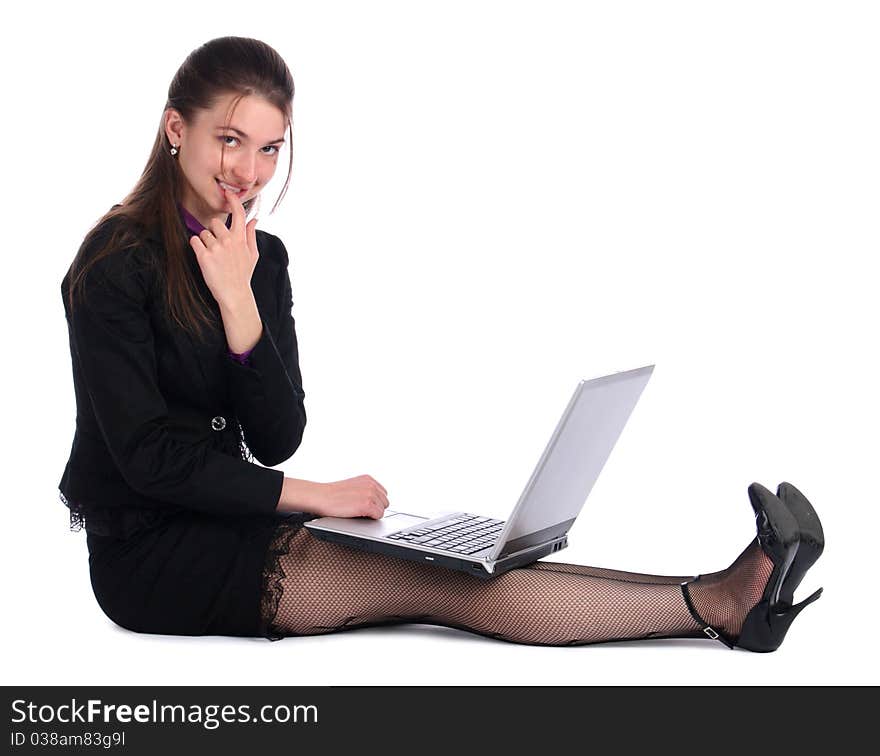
x=463, y=534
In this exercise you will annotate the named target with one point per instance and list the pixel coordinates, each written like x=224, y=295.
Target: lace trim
x=243, y=449
x=77, y=516
x=111, y=522
x=273, y=574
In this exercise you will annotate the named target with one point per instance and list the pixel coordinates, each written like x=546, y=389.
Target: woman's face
x=251, y=143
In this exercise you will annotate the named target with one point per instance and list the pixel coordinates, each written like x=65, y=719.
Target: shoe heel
x=812, y=538
x=765, y=629
x=808, y=600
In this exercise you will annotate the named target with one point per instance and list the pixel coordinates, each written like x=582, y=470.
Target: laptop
x=539, y=524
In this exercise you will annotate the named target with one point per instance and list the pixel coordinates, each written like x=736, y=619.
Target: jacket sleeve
x=243, y=357
x=266, y=391
x=113, y=344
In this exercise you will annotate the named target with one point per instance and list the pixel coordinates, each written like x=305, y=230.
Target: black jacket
x=165, y=421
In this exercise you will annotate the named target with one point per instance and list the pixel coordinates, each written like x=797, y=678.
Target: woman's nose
x=243, y=180
x=244, y=173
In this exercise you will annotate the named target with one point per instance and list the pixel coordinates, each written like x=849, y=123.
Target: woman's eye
x=269, y=147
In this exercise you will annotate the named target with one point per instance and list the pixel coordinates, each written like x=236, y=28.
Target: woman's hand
x=355, y=497
x=228, y=256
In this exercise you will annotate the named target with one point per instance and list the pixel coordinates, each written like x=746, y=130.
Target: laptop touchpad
x=367, y=526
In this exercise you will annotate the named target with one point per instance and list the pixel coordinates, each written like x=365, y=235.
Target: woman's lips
x=223, y=191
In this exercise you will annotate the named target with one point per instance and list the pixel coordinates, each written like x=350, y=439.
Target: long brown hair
x=223, y=66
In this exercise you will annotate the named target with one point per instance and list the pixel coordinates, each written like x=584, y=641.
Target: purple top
x=193, y=225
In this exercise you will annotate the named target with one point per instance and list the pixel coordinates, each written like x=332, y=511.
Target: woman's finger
x=252, y=236
x=197, y=244
x=217, y=228
x=237, y=225
x=207, y=238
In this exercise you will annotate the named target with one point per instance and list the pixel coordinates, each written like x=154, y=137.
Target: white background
x=491, y=201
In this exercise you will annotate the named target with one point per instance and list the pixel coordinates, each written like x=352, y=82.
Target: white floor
x=58, y=635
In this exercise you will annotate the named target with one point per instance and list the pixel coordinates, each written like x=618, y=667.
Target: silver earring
x=174, y=149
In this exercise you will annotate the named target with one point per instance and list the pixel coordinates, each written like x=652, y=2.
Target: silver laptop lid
x=574, y=457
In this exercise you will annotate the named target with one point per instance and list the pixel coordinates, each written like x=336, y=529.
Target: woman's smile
x=223, y=184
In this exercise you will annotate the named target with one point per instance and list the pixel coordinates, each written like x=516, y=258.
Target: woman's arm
x=362, y=496
x=298, y=496
x=266, y=391
x=242, y=324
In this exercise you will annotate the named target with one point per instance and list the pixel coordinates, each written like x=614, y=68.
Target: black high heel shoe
x=765, y=626
x=811, y=534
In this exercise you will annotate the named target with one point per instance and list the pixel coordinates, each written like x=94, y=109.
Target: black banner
x=135, y=720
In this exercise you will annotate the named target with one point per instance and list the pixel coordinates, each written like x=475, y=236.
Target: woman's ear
x=173, y=123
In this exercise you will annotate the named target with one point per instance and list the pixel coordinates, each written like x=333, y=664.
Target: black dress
x=194, y=574
x=182, y=528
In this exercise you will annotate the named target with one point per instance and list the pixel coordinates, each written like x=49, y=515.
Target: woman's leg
x=320, y=587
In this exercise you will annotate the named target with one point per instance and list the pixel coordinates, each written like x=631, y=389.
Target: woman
x=186, y=368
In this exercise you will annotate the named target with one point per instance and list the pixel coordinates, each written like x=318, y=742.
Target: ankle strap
x=705, y=627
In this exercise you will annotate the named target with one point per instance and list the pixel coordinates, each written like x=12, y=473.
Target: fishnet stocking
x=723, y=599
x=314, y=587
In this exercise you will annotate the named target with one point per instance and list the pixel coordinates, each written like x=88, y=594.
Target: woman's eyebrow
x=242, y=134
